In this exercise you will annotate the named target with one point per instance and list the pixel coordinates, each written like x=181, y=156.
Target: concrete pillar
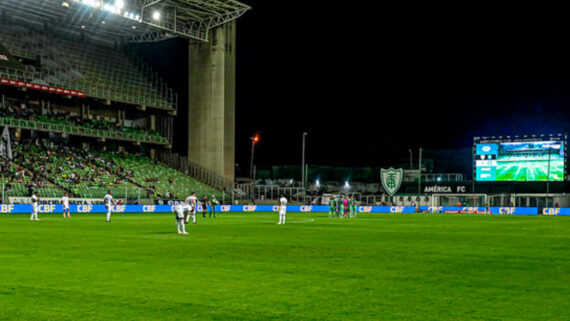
x=211, y=123
x=152, y=122
x=84, y=111
x=230, y=101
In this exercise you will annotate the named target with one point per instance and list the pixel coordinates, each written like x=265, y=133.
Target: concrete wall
x=211, y=117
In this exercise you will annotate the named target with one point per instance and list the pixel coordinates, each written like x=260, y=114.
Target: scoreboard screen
x=527, y=161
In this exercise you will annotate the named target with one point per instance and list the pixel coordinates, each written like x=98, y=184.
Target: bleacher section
x=162, y=178
x=61, y=122
x=100, y=71
x=88, y=174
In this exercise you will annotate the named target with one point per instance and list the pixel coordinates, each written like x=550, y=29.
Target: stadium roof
x=128, y=20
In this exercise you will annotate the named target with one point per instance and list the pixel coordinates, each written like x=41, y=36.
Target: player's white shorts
x=35, y=208
x=66, y=207
x=282, y=211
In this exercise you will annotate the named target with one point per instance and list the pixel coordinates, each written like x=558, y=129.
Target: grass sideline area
x=245, y=267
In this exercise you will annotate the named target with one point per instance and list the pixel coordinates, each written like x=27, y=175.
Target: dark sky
x=369, y=83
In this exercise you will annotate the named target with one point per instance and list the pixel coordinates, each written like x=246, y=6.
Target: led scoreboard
x=527, y=158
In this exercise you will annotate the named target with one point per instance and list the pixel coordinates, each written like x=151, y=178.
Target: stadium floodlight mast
x=254, y=140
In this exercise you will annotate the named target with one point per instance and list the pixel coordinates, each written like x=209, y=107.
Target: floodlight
x=156, y=15
x=119, y=4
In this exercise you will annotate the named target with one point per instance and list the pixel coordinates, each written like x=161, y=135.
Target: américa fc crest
x=391, y=179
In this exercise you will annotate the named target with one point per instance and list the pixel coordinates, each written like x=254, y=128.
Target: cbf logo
x=6, y=208
x=391, y=179
x=551, y=211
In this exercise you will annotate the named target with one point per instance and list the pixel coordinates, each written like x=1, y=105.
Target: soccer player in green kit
x=352, y=207
x=341, y=207
x=332, y=206
x=213, y=203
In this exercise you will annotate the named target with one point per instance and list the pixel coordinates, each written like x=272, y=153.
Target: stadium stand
x=107, y=138
x=22, y=116
x=99, y=70
x=53, y=170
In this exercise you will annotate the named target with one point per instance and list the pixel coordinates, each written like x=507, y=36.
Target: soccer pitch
x=245, y=267
x=534, y=170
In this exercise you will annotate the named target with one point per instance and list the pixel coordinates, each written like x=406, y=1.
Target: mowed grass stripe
x=244, y=266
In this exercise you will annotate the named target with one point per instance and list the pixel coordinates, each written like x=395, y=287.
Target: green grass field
x=245, y=267
x=529, y=171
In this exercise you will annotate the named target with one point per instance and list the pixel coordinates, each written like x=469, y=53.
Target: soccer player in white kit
x=35, y=200
x=179, y=211
x=282, y=209
x=192, y=202
x=108, y=199
x=65, y=204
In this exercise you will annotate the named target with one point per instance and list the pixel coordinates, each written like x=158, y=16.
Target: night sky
x=369, y=83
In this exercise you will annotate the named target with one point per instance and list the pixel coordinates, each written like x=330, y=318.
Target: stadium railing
x=81, y=131
x=197, y=172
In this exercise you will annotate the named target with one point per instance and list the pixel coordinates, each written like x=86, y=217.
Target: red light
x=255, y=139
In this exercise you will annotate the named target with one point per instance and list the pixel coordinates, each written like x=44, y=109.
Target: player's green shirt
x=332, y=204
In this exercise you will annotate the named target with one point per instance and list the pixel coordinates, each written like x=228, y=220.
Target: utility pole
x=303, y=164
x=548, y=176
x=420, y=174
